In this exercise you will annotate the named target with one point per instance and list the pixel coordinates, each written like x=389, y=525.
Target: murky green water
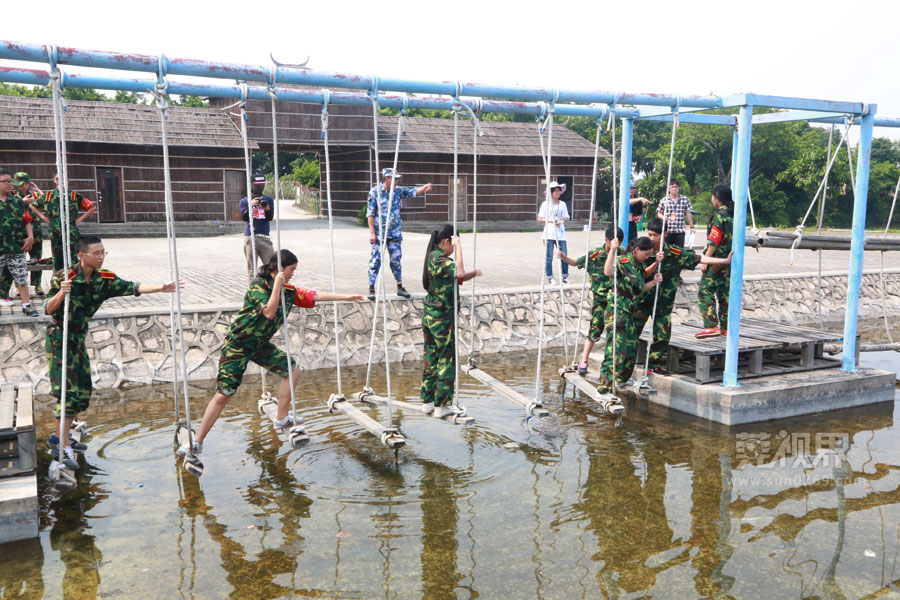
x=664, y=506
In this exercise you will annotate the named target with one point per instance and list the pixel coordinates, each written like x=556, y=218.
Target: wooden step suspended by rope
x=296, y=435
x=613, y=406
x=183, y=438
x=389, y=436
x=532, y=409
x=370, y=397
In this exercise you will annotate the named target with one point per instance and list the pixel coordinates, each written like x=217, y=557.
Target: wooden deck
x=18, y=459
x=764, y=348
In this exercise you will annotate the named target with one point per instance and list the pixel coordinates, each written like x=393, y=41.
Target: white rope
x=476, y=131
x=587, y=244
x=887, y=226
x=162, y=103
x=615, y=195
x=337, y=326
x=273, y=97
x=820, y=220
x=377, y=187
x=456, y=233
x=662, y=244
x=59, y=126
x=546, y=160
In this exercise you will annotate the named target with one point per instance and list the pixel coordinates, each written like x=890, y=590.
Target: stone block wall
x=135, y=348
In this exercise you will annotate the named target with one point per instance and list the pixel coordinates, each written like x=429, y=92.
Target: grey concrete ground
x=215, y=274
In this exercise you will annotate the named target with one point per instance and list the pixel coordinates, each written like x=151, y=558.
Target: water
x=571, y=507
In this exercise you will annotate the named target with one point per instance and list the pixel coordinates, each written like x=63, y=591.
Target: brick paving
x=215, y=275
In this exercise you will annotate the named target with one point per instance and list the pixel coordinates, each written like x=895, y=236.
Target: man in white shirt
x=553, y=214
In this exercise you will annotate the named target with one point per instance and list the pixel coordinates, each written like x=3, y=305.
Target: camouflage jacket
x=378, y=205
x=87, y=295
x=630, y=278
x=719, y=232
x=676, y=260
x=439, y=301
x=600, y=283
x=49, y=205
x=13, y=218
x=250, y=327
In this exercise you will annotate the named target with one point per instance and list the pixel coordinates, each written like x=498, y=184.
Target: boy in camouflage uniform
x=675, y=259
x=49, y=211
x=88, y=286
x=629, y=286
x=29, y=193
x=377, y=216
x=600, y=285
x=716, y=281
x=439, y=320
x=16, y=238
x=248, y=339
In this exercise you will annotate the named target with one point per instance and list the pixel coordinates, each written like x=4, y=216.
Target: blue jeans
x=548, y=263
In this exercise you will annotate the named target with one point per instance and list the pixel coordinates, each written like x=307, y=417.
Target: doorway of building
x=235, y=182
x=461, y=199
x=110, y=194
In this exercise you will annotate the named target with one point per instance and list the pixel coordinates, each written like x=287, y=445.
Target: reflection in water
x=574, y=507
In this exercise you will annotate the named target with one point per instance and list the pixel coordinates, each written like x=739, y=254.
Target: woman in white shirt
x=553, y=214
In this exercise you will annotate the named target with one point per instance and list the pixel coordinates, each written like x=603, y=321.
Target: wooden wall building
x=115, y=157
x=510, y=171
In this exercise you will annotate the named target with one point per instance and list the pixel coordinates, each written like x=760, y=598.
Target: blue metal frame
x=503, y=99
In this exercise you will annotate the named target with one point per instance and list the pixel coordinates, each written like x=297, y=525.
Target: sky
x=825, y=49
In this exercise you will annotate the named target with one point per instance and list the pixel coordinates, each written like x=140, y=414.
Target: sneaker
x=566, y=279
x=29, y=311
x=552, y=281
x=428, y=407
x=401, y=291
x=6, y=302
x=582, y=369
x=371, y=295
x=707, y=333
x=722, y=331
x=631, y=382
x=196, y=449
x=443, y=411
x=659, y=371
x=288, y=421
x=38, y=290
x=53, y=442
x=68, y=460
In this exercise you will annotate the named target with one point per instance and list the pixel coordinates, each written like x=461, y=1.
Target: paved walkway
x=215, y=274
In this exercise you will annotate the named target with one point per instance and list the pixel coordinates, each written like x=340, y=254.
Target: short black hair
x=674, y=182
x=5, y=171
x=613, y=230
x=655, y=225
x=86, y=241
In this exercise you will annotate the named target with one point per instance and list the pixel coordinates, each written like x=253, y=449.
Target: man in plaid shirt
x=675, y=209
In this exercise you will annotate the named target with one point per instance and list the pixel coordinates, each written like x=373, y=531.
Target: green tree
x=129, y=97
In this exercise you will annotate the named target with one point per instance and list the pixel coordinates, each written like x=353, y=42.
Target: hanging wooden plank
x=388, y=436
x=585, y=387
x=504, y=390
x=410, y=408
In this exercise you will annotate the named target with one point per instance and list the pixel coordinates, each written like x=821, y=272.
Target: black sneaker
x=371, y=295
x=401, y=291
x=76, y=446
x=68, y=459
x=29, y=311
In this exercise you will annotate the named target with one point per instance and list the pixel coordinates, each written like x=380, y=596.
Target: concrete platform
x=774, y=397
x=18, y=508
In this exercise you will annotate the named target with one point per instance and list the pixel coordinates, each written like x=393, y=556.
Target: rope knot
x=334, y=399
x=243, y=102
x=387, y=434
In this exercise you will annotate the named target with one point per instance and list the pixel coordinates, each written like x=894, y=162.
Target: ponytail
x=437, y=236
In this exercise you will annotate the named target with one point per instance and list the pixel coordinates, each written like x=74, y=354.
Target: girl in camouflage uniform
x=248, y=339
x=715, y=285
x=439, y=276
x=629, y=286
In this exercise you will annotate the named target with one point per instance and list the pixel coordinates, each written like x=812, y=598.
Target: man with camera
x=262, y=210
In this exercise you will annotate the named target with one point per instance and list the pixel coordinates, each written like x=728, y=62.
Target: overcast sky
x=825, y=49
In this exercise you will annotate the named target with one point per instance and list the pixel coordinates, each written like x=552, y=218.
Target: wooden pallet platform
x=18, y=444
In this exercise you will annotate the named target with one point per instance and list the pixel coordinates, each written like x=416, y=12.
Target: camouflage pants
x=17, y=267
x=6, y=278
x=598, y=308
x=56, y=247
x=626, y=345
x=714, y=286
x=78, y=369
x=662, y=329
x=440, y=370
x=234, y=358
x=393, y=248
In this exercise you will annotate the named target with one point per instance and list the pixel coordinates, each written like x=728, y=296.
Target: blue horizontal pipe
x=312, y=96
x=333, y=80
x=794, y=115
x=788, y=103
x=704, y=119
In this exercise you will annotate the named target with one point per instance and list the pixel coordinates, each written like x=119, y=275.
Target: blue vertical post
x=625, y=177
x=735, y=294
x=734, y=152
x=857, y=238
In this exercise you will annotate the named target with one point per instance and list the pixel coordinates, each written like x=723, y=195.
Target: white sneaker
x=566, y=279
x=6, y=302
x=443, y=411
x=631, y=382
x=552, y=281
x=428, y=407
x=288, y=421
x=183, y=449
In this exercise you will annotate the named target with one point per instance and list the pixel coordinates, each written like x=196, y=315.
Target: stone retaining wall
x=134, y=347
